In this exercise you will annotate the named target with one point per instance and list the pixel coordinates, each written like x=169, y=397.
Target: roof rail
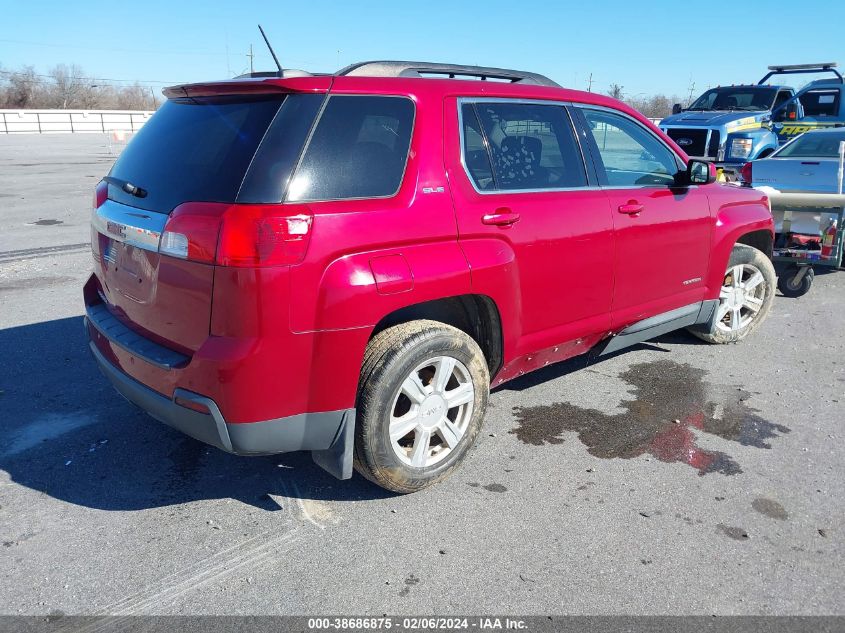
x=453, y=71
x=797, y=69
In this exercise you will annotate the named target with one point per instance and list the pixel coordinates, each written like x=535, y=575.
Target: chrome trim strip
x=132, y=226
x=564, y=104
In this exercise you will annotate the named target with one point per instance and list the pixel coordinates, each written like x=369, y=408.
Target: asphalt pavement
x=674, y=478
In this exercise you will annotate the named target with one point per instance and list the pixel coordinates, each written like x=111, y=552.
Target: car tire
x=789, y=284
x=746, y=297
x=410, y=376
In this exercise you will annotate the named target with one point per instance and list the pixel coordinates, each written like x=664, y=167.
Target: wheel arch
x=476, y=315
x=762, y=240
x=742, y=217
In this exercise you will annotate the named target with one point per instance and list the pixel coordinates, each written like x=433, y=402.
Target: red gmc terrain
x=347, y=263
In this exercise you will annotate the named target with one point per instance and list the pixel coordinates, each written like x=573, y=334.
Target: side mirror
x=700, y=172
x=676, y=109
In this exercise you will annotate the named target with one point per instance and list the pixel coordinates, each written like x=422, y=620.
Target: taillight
x=237, y=235
x=101, y=193
x=745, y=173
x=191, y=231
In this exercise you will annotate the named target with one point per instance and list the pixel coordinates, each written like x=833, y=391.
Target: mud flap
x=337, y=458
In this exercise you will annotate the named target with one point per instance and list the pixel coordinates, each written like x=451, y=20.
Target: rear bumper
x=328, y=434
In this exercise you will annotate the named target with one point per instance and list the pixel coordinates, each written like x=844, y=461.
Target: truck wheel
x=421, y=400
x=746, y=296
x=791, y=285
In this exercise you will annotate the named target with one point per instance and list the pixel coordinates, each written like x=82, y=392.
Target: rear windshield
x=193, y=150
x=814, y=145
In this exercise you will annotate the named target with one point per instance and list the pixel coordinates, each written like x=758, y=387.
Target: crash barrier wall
x=71, y=121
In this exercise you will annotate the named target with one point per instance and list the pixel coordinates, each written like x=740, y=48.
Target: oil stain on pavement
x=770, y=508
x=672, y=401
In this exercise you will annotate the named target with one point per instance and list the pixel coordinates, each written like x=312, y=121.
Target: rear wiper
x=127, y=186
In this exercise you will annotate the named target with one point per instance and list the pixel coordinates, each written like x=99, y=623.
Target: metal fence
x=71, y=121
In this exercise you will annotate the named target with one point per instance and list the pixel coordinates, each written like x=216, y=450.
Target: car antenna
x=272, y=52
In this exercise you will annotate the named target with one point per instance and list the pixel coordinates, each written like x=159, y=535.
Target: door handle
x=501, y=217
x=632, y=208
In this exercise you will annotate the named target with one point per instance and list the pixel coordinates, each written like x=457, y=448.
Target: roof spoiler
x=799, y=69
x=254, y=84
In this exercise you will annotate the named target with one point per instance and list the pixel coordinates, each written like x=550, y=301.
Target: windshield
x=736, y=98
x=814, y=145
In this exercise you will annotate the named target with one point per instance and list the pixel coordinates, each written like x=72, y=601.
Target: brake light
x=237, y=235
x=259, y=236
x=101, y=193
x=746, y=173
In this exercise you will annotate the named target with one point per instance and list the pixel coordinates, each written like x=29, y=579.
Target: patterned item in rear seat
x=518, y=162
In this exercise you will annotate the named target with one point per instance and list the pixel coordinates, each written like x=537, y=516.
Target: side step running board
x=693, y=314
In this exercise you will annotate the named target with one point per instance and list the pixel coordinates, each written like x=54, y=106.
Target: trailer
x=796, y=256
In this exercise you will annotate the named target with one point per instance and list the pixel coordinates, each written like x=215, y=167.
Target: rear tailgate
x=163, y=298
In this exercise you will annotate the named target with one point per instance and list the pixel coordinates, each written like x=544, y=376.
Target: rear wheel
x=423, y=392
x=745, y=298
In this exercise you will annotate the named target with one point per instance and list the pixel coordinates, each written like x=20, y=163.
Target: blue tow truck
x=731, y=125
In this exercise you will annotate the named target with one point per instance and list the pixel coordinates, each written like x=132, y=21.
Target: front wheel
x=422, y=396
x=746, y=296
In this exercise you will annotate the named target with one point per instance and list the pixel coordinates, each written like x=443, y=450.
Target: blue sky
x=647, y=47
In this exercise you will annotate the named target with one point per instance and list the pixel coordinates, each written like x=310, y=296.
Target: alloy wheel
x=431, y=411
x=741, y=298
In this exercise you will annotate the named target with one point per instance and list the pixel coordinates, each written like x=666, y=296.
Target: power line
x=158, y=51
x=101, y=79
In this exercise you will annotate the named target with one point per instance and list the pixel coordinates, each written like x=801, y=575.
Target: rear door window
x=531, y=146
x=359, y=149
x=193, y=150
x=820, y=102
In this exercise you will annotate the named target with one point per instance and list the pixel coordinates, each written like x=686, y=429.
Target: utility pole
x=590, y=83
x=251, y=57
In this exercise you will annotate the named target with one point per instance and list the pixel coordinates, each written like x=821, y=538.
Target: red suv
x=347, y=263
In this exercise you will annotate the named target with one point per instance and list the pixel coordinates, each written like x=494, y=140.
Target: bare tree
x=71, y=89
x=67, y=87
x=654, y=106
x=21, y=89
x=615, y=91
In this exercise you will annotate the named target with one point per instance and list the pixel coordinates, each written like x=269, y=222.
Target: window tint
x=358, y=150
x=476, y=158
x=193, y=150
x=820, y=103
x=631, y=155
x=268, y=176
x=531, y=146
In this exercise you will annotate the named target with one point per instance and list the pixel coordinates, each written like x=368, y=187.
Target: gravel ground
x=674, y=478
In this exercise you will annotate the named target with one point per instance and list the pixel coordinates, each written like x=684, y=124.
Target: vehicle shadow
x=69, y=435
